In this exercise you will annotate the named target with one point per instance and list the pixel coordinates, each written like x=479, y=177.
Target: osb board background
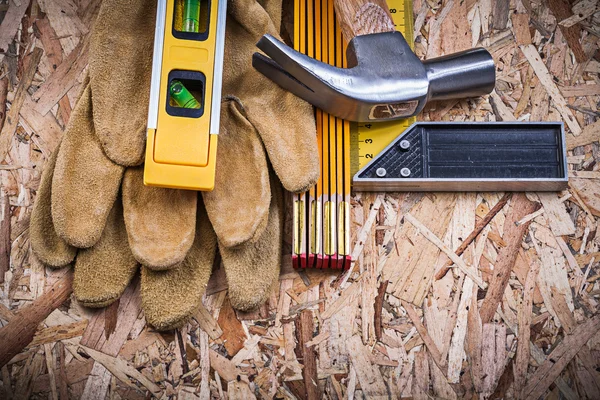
x=516, y=316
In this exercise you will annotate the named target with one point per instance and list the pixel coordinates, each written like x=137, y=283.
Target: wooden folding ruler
x=321, y=234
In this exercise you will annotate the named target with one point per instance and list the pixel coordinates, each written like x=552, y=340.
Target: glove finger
x=253, y=267
x=294, y=156
x=103, y=271
x=161, y=223
x=285, y=122
x=120, y=71
x=169, y=298
x=273, y=8
x=241, y=181
x=50, y=248
x=251, y=17
x=85, y=183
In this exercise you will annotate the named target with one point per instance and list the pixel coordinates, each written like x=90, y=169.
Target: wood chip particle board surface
x=528, y=329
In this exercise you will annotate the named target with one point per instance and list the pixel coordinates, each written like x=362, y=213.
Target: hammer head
x=385, y=81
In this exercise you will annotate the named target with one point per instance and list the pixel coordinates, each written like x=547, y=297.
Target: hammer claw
x=277, y=74
x=304, y=69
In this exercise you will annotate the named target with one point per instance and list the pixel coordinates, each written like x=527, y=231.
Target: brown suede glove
x=92, y=198
x=78, y=202
x=103, y=271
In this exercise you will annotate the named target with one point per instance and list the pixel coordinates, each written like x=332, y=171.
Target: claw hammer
x=386, y=80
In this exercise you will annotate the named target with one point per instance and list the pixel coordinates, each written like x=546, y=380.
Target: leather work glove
x=78, y=216
x=93, y=210
x=103, y=271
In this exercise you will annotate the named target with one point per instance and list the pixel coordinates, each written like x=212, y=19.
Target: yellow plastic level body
x=181, y=149
x=182, y=176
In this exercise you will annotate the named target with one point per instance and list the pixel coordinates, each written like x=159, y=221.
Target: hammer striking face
x=385, y=81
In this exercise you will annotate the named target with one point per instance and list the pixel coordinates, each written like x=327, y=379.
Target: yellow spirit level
x=185, y=94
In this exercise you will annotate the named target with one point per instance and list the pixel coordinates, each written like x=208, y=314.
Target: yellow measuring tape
x=321, y=234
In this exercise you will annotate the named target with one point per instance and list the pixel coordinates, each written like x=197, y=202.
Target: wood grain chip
x=95, y=338
x=586, y=174
x=433, y=349
x=581, y=11
x=226, y=369
x=470, y=271
x=207, y=322
x=74, y=372
x=122, y=370
x=561, y=356
x=32, y=369
x=304, y=330
x=377, y=309
x=456, y=37
x=546, y=80
x=500, y=109
x=513, y=235
x=493, y=356
x=54, y=52
x=20, y=330
x=456, y=352
x=10, y=24
x=560, y=221
x=5, y=225
x=524, y=322
x=65, y=21
x=234, y=335
x=572, y=33
x=60, y=332
x=12, y=118
x=370, y=378
x=62, y=79
x=481, y=224
x=143, y=341
x=411, y=265
x=500, y=14
x=580, y=90
x=239, y=390
x=474, y=343
x=3, y=102
x=591, y=133
x=521, y=28
x=420, y=389
x=553, y=277
x=562, y=310
x=51, y=368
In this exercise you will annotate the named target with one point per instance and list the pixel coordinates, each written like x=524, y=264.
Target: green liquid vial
x=191, y=16
x=181, y=96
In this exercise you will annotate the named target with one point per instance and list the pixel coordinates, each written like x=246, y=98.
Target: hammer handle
x=362, y=17
x=469, y=73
